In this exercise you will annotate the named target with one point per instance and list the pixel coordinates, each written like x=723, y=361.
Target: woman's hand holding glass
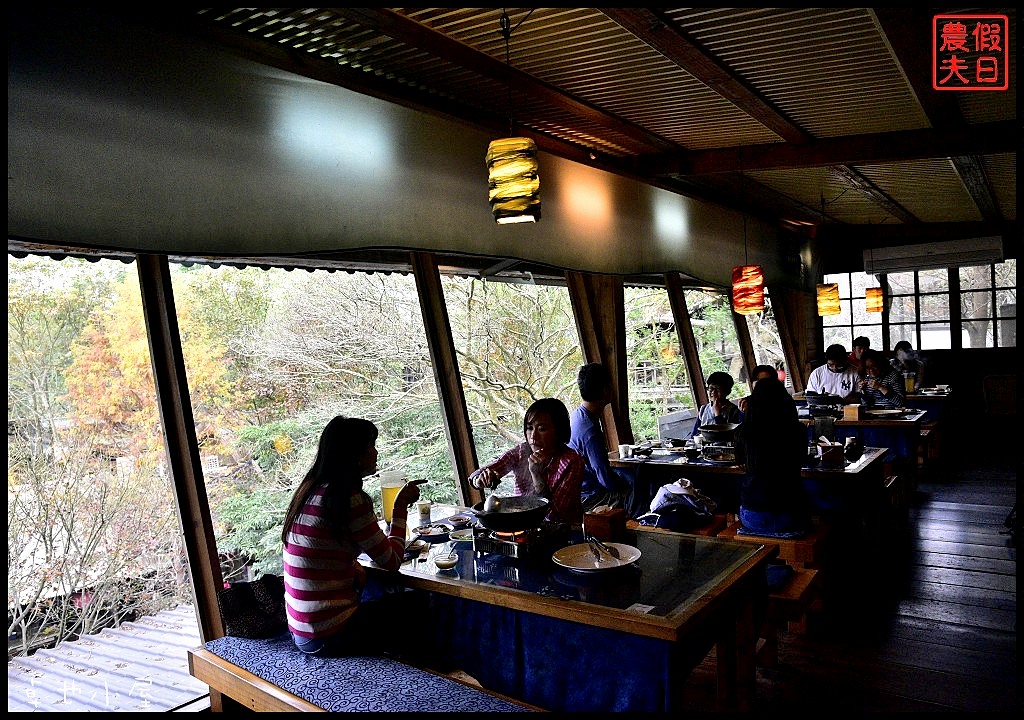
x=409, y=494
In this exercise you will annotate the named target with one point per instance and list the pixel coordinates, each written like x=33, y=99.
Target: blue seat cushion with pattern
x=354, y=683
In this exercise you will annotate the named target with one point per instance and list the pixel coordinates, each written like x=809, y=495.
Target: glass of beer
x=909, y=379
x=391, y=482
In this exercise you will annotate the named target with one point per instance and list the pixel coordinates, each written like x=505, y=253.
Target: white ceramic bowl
x=446, y=562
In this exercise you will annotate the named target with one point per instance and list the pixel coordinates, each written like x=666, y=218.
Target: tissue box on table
x=605, y=523
x=831, y=454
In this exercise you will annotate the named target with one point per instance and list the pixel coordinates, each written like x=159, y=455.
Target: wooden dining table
x=666, y=466
x=621, y=639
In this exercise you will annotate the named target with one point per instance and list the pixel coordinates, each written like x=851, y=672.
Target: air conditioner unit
x=928, y=256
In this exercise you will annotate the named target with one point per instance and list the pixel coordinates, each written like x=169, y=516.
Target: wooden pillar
x=446, y=373
x=794, y=318
x=182, y=448
x=598, y=303
x=179, y=430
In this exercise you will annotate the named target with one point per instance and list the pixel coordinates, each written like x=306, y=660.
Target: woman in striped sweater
x=329, y=522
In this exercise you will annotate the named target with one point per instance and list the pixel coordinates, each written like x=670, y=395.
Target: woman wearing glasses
x=719, y=409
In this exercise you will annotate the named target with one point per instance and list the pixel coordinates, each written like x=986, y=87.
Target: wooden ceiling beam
x=420, y=36
x=868, y=149
x=902, y=28
x=662, y=33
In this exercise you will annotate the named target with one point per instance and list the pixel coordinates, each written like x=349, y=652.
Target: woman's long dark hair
x=342, y=443
x=768, y=428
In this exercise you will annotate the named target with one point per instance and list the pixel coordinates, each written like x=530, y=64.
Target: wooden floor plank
x=928, y=624
x=965, y=562
x=997, y=599
x=999, y=552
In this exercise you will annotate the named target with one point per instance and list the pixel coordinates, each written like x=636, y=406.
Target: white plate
x=886, y=412
x=719, y=462
x=462, y=535
x=579, y=558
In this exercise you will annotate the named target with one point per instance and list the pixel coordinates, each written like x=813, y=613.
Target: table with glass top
x=619, y=639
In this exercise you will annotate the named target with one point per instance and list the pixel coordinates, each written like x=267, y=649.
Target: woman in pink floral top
x=543, y=465
x=329, y=523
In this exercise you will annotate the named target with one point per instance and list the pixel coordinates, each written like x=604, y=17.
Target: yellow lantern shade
x=513, y=179
x=828, y=299
x=873, y=299
x=747, y=289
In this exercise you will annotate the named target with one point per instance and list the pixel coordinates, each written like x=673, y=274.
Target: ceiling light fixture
x=513, y=175
x=747, y=280
x=828, y=299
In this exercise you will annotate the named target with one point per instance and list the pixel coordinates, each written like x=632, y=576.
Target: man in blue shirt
x=602, y=484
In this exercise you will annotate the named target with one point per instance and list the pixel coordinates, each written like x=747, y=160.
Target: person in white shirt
x=836, y=376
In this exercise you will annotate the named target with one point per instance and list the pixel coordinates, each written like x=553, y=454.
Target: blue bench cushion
x=360, y=683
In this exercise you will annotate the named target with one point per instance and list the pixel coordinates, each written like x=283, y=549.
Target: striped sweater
x=322, y=578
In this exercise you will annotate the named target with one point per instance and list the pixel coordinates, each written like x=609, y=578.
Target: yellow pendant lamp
x=828, y=299
x=873, y=300
x=513, y=174
x=513, y=180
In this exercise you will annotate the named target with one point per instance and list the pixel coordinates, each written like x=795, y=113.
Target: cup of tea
x=391, y=482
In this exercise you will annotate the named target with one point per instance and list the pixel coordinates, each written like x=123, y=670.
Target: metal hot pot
x=514, y=514
x=719, y=433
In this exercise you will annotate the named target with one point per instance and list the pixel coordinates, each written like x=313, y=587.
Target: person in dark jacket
x=772, y=442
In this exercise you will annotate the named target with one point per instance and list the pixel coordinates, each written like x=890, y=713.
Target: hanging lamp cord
x=506, y=30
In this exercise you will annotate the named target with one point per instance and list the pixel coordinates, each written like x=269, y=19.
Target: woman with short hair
x=544, y=464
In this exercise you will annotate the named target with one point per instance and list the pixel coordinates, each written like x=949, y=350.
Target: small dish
x=460, y=521
x=433, y=533
x=461, y=535
x=446, y=561
x=414, y=548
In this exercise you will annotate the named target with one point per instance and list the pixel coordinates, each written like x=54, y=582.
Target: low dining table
x=667, y=465
x=621, y=639
x=900, y=432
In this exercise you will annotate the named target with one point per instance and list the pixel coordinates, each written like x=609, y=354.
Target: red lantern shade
x=747, y=289
x=873, y=299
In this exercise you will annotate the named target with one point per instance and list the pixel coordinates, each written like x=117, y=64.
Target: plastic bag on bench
x=679, y=506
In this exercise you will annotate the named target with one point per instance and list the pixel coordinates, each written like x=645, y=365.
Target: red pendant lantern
x=747, y=289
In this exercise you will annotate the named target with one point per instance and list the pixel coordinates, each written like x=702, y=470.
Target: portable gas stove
x=538, y=542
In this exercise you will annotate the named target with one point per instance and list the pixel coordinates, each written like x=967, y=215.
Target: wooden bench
x=716, y=525
x=271, y=675
x=798, y=552
x=787, y=609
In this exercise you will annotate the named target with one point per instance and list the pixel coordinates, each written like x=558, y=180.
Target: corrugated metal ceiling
x=640, y=90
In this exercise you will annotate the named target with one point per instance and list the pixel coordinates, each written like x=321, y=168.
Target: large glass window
x=92, y=541
x=714, y=331
x=657, y=381
x=516, y=343
x=766, y=342
x=918, y=308
x=854, y=321
x=988, y=305
x=285, y=352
